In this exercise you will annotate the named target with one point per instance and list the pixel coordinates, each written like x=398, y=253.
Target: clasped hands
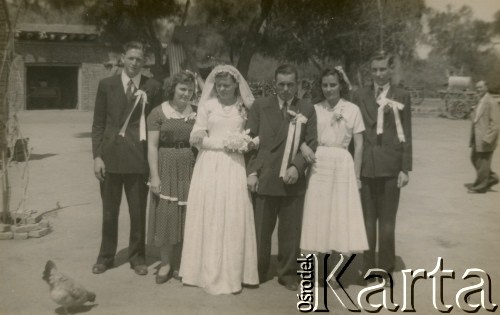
x=290, y=178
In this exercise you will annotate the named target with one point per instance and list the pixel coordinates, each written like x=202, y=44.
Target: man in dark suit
x=387, y=158
x=119, y=149
x=483, y=140
x=277, y=172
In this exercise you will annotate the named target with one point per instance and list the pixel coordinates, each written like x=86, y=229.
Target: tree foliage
x=458, y=37
x=467, y=44
x=315, y=30
x=125, y=20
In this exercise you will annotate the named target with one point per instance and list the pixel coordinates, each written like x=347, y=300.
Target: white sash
x=383, y=101
x=143, y=98
x=292, y=140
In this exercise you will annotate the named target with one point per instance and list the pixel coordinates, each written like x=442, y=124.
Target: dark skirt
x=167, y=212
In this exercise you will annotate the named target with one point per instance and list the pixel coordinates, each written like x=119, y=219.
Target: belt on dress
x=331, y=145
x=177, y=145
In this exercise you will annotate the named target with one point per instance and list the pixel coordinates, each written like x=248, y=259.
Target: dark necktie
x=379, y=91
x=130, y=90
x=284, y=109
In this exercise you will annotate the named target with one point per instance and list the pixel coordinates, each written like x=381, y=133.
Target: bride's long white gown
x=219, y=251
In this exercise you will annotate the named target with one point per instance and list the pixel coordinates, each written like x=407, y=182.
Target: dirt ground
x=437, y=218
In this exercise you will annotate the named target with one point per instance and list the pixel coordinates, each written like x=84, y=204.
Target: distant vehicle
x=459, y=98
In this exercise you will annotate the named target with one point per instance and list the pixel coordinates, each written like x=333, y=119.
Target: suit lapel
x=121, y=98
x=273, y=115
x=285, y=123
x=481, y=107
x=371, y=106
x=129, y=105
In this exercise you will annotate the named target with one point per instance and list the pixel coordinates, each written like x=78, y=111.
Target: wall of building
x=89, y=57
x=4, y=70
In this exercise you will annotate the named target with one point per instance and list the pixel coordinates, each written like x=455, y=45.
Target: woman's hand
x=155, y=185
x=307, y=153
x=197, y=137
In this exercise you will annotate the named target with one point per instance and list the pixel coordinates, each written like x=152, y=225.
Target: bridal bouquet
x=237, y=141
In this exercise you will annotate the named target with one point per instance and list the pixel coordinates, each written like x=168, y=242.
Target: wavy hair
x=172, y=82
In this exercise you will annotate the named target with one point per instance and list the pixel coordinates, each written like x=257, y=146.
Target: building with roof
x=57, y=66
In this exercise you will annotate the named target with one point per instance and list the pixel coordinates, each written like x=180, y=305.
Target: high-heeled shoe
x=163, y=278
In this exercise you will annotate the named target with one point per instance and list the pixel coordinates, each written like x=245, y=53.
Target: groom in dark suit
x=387, y=158
x=276, y=172
x=119, y=149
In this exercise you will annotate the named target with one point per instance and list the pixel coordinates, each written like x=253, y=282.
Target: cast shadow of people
x=352, y=275
x=152, y=256
x=36, y=157
x=75, y=309
x=83, y=135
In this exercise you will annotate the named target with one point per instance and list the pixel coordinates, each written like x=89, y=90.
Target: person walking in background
x=219, y=252
x=171, y=161
x=276, y=172
x=333, y=217
x=119, y=149
x=387, y=158
x=483, y=139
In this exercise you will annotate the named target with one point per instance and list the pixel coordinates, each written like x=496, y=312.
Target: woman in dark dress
x=171, y=161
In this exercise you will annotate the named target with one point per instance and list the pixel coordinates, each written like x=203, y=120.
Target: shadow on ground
x=36, y=157
x=75, y=310
x=83, y=135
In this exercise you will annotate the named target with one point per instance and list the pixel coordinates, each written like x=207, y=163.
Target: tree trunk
x=253, y=37
x=185, y=13
x=4, y=184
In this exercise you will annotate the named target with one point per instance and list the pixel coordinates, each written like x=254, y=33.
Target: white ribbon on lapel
x=383, y=101
x=142, y=97
x=292, y=140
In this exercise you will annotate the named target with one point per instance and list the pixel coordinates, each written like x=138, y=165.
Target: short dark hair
x=484, y=82
x=171, y=83
x=286, y=69
x=344, y=87
x=134, y=45
x=382, y=55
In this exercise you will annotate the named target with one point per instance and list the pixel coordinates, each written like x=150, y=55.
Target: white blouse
x=336, y=126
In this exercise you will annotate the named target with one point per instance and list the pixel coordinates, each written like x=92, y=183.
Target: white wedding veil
x=209, y=92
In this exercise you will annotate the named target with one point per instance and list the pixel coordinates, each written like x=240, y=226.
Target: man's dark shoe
x=493, y=183
x=99, y=268
x=469, y=185
x=290, y=285
x=141, y=270
x=176, y=275
x=476, y=191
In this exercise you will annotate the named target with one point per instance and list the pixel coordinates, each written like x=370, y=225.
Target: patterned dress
x=167, y=212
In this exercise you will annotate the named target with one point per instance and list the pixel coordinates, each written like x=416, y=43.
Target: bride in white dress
x=219, y=253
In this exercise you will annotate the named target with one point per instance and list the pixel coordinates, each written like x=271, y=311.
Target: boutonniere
x=297, y=117
x=242, y=110
x=338, y=117
x=141, y=95
x=189, y=117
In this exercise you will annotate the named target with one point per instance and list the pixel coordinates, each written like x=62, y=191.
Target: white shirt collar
x=136, y=80
x=170, y=112
x=280, y=102
x=384, y=87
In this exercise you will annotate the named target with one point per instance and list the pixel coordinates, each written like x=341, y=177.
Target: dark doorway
x=51, y=87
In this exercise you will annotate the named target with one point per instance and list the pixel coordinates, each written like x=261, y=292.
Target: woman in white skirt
x=333, y=217
x=220, y=251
